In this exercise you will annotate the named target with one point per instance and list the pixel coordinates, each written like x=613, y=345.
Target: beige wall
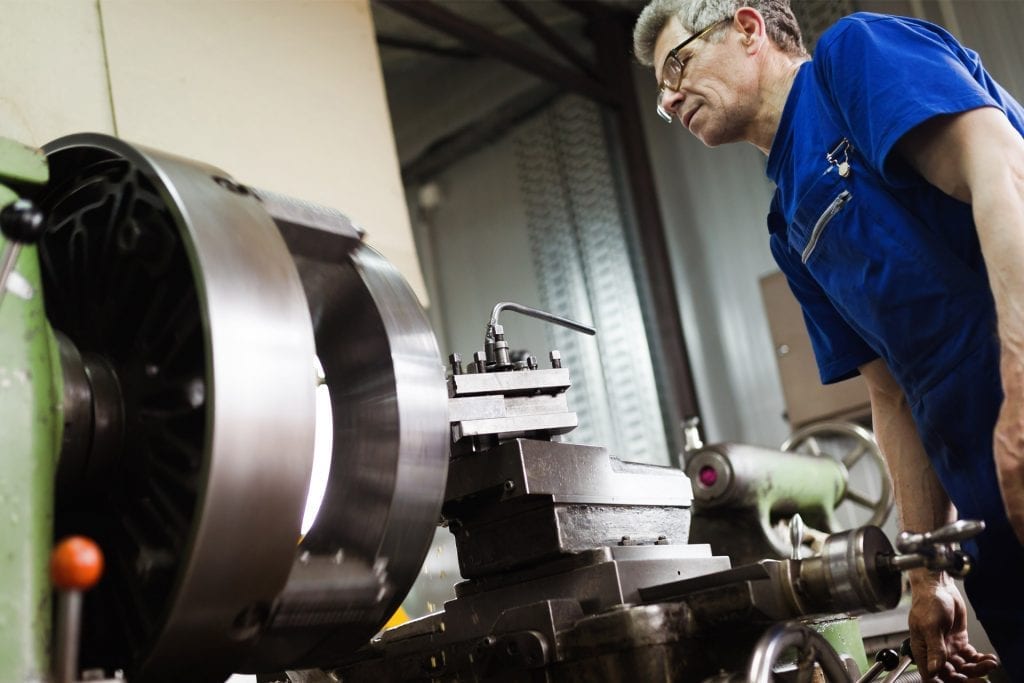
x=53, y=79
x=282, y=94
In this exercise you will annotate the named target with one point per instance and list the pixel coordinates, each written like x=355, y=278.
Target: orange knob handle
x=76, y=564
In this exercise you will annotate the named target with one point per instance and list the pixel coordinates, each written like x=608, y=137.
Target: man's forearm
x=922, y=502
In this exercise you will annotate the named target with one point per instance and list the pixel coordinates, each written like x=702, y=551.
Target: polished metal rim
x=389, y=463
x=201, y=504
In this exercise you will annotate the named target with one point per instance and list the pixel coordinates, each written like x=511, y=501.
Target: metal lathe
x=165, y=333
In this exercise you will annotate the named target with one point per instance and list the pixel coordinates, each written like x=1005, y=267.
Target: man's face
x=716, y=97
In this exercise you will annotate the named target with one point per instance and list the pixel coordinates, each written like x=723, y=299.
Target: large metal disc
x=186, y=323
x=389, y=461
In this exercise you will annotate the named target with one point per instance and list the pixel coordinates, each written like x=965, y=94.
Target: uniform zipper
x=823, y=220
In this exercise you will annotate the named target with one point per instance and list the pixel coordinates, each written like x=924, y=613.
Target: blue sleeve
x=838, y=349
x=886, y=75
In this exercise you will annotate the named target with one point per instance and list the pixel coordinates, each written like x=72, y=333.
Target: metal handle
x=796, y=535
x=960, y=530
x=21, y=223
x=534, y=313
x=885, y=660
x=936, y=549
x=495, y=345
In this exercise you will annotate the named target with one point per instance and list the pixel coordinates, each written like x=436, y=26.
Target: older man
x=899, y=222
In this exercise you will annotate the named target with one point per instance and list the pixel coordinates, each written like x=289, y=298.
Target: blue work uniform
x=887, y=266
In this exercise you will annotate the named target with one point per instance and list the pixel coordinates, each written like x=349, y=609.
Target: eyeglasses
x=672, y=68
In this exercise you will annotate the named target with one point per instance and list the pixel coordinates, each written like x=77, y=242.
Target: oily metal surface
x=389, y=463
x=184, y=287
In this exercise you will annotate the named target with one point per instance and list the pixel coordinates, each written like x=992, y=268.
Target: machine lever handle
x=960, y=530
x=906, y=659
x=535, y=313
x=76, y=565
x=886, y=660
x=21, y=223
x=796, y=535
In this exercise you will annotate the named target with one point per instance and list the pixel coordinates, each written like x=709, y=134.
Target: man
x=899, y=222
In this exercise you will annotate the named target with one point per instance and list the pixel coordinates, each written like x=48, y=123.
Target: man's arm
x=922, y=502
x=978, y=158
x=938, y=617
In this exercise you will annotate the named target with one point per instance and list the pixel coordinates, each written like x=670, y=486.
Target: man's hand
x=938, y=632
x=1008, y=443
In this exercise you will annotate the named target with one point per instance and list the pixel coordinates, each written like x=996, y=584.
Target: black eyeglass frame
x=673, y=55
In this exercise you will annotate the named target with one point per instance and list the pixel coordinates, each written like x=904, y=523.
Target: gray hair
x=694, y=15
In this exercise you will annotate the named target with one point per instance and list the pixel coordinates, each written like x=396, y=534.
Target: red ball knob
x=76, y=564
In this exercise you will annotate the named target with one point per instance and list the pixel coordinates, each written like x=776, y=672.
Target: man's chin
x=707, y=137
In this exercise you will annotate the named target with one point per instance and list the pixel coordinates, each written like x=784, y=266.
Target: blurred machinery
x=164, y=336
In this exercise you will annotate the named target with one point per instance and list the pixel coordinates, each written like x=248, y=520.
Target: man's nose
x=670, y=100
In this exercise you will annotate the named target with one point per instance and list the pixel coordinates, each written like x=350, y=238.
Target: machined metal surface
x=568, y=473
x=178, y=284
x=528, y=501
x=196, y=319
x=574, y=624
x=851, y=575
x=390, y=459
x=849, y=567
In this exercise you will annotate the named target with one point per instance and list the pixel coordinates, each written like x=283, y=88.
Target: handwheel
x=855, y=447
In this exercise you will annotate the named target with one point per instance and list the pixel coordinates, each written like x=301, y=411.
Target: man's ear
x=750, y=23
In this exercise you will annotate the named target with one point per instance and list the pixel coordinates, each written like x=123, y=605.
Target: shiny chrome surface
x=389, y=465
x=257, y=446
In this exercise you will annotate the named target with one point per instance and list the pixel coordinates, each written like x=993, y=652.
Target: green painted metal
x=21, y=164
x=843, y=634
x=31, y=424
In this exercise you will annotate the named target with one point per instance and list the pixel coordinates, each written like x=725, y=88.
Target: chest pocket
x=819, y=207
x=890, y=275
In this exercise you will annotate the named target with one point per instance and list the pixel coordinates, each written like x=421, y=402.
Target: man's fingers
x=981, y=667
x=919, y=648
x=973, y=665
x=936, y=657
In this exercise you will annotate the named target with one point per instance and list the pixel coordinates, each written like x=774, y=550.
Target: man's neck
x=777, y=82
